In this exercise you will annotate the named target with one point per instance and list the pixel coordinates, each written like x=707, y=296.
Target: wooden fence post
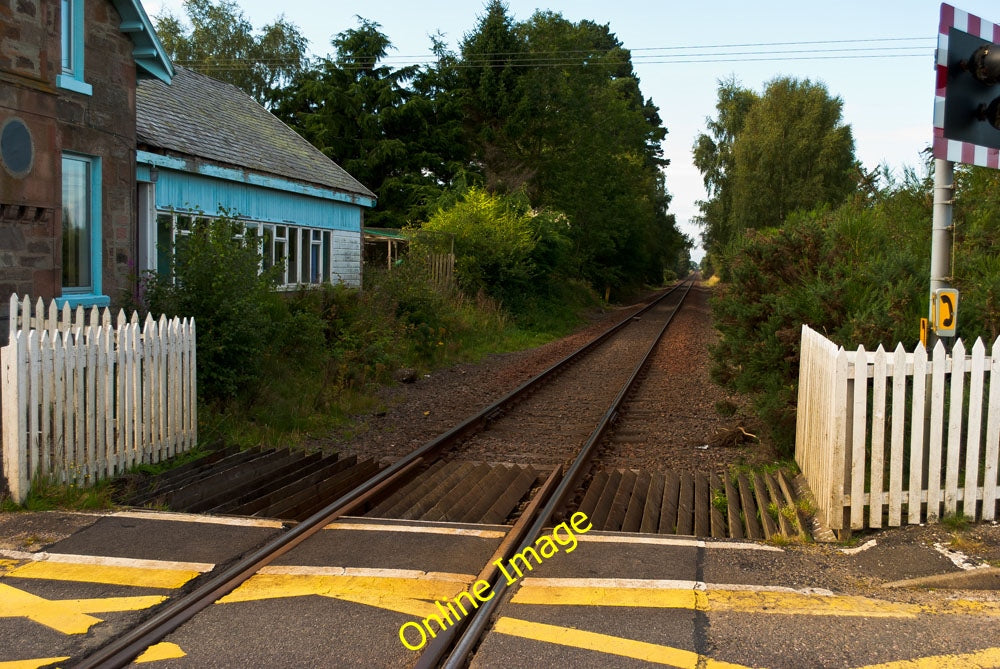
x=992, y=437
x=15, y=447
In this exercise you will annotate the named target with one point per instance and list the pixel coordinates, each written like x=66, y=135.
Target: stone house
x=68, y=72
x=81, y=217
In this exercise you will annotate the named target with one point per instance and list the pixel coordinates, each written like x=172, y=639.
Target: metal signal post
x=966, y=130
x=941, y=240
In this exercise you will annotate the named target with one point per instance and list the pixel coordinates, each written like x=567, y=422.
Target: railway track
x=488, y=469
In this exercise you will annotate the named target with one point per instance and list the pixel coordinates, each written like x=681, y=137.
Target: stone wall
x=101, y=124
x=29, y=201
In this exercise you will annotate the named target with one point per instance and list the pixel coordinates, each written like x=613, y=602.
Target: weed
x=787, y=466
x=33, y=540
x=152, y=469
x=965, y=543
x=790, y=514
x=806, y=505
x=772, y=510
x=725, y=408
x=47, y=494
x=719, y=500
x=955, y=522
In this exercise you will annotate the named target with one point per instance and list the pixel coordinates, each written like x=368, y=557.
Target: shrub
x=214, y=278
x=856, y=274
x=502, y=247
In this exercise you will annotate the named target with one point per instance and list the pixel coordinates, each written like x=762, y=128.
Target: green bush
x=214, y=278
x=503, y=248
x=856, y=274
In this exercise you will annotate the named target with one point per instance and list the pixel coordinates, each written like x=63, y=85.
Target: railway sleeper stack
x=272, y=483
x=733, y=505
x=462, y=492
x=291, y=485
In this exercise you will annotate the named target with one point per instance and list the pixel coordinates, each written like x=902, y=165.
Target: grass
x=364, y=336
x=719, y=500
x=806, y=505
x=789, y=467
x=790, y=514
x=955, y=522
x=772, y=510
x=48, y=495
x=152, y=469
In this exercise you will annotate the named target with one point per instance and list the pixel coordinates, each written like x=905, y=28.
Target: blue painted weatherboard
x=183, y=191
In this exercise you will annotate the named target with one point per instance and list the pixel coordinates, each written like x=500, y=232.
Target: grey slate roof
x=203, y=117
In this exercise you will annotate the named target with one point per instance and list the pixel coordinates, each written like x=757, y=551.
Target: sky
x=681, y=50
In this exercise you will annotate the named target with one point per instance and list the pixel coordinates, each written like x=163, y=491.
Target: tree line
x=572, y=137
x=801, y=233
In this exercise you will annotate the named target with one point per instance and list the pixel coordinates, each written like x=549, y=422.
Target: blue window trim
x=192, y=166
x=75, y=301
x=72, y=76
x=90, y=296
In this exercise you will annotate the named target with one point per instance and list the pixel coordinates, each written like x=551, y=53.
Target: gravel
x=675, y=412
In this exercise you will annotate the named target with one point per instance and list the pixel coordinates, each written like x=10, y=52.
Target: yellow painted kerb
x=743, y=601
x=109, y=574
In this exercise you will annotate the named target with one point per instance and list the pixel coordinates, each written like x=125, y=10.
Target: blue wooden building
x=205, y=147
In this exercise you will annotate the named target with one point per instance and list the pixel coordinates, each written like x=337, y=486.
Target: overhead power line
x=689, y=54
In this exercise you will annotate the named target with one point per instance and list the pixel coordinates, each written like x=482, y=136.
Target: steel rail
x=476, y=624
x=440, y=645
x=123, y=649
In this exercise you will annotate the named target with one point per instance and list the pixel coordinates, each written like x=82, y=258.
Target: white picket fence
x=84, y=399
x=904, y=437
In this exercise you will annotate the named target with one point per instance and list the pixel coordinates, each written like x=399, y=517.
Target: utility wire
x=820, y=50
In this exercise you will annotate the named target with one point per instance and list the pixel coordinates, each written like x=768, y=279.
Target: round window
x=16, y=149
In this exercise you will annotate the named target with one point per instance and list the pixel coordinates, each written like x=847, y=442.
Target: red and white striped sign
x=951, y=149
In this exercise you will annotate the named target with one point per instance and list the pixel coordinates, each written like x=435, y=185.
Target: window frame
x=90, y=295
x=72, y=31
x=276, y=242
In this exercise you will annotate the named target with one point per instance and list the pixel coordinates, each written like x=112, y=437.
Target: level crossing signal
x=967, y=104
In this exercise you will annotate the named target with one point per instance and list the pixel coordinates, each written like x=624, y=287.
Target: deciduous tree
x=221, y=43
x=766, y=156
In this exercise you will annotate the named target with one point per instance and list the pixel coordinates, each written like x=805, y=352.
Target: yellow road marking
x=160, y=651
x=96, y=573
x=674, y=541
x=69, y=616
x=612, y=645
x=32, y=664
x=670, y=598
x=663, y=584
x=412, y=596
x=537, y=591
x=988, y=657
